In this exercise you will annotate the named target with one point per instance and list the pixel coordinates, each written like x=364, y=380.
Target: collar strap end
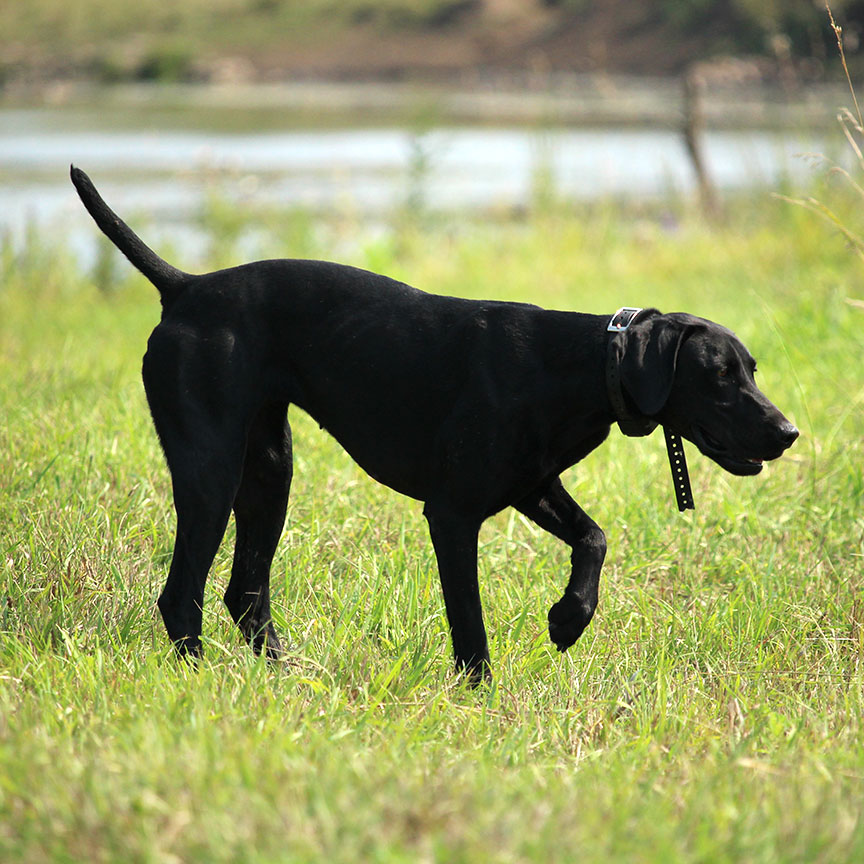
x=680, y=475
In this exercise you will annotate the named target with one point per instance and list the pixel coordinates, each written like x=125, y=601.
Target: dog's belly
x=396, y=457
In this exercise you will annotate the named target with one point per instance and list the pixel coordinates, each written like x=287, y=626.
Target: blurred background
x=185, y=109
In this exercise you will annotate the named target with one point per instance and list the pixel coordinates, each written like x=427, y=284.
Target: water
x=164, y=173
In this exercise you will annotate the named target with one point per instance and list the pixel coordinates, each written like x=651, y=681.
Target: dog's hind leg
x=259, y=511
x=204, y=486
x=555, y=511
x=203, y=434
x=455, y=542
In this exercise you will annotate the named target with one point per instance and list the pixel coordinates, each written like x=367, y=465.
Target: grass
x=712, y=712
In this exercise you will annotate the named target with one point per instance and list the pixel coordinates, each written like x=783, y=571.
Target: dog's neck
x=629, y=422
x=637, y=425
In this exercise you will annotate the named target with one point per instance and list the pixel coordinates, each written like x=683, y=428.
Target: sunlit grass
x=712, y=711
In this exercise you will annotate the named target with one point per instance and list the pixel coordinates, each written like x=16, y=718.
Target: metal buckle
x=622, y=319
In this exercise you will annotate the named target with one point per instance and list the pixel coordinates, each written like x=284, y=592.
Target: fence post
x=692, y=127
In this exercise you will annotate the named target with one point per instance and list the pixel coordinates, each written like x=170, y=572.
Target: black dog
x=468, y=406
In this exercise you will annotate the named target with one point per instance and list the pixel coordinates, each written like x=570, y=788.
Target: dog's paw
x=475, y=670
x=189, y=649
x=568, y=618
x=264, y=640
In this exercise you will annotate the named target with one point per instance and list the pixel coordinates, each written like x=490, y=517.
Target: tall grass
x=852, y=125
x=711, y=712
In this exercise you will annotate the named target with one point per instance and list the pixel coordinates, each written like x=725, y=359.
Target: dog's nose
x=788, y=433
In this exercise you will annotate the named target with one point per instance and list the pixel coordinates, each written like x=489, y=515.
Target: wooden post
x=693, y=123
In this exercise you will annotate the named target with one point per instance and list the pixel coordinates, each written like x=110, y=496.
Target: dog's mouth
x=734, y=463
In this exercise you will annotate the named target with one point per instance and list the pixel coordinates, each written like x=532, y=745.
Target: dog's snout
x=787, y=434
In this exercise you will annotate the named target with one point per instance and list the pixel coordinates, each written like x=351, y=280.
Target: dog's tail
x=169, y=280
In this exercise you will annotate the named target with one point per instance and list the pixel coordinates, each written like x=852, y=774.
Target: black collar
x=633, y=425
x=637, y=425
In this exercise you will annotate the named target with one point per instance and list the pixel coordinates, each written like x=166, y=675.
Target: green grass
x=712, y=711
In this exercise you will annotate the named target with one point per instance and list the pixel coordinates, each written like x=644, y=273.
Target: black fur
x=468, y=406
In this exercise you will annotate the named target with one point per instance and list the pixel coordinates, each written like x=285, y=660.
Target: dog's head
x=697, y=377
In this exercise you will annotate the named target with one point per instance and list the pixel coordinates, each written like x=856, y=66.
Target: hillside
x=278, y=39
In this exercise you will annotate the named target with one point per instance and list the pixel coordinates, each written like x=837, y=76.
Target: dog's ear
x=649, y=360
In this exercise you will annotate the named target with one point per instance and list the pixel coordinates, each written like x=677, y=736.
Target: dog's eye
x=723, y=372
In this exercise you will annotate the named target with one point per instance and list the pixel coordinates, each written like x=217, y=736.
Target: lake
x=159, y=166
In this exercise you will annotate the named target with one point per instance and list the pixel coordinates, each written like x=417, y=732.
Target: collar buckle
x=622, y=319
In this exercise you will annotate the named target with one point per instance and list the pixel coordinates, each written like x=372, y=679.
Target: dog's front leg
x=555, y=511
x=455, y=540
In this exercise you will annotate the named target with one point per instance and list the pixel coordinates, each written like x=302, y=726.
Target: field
x=712, y=711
